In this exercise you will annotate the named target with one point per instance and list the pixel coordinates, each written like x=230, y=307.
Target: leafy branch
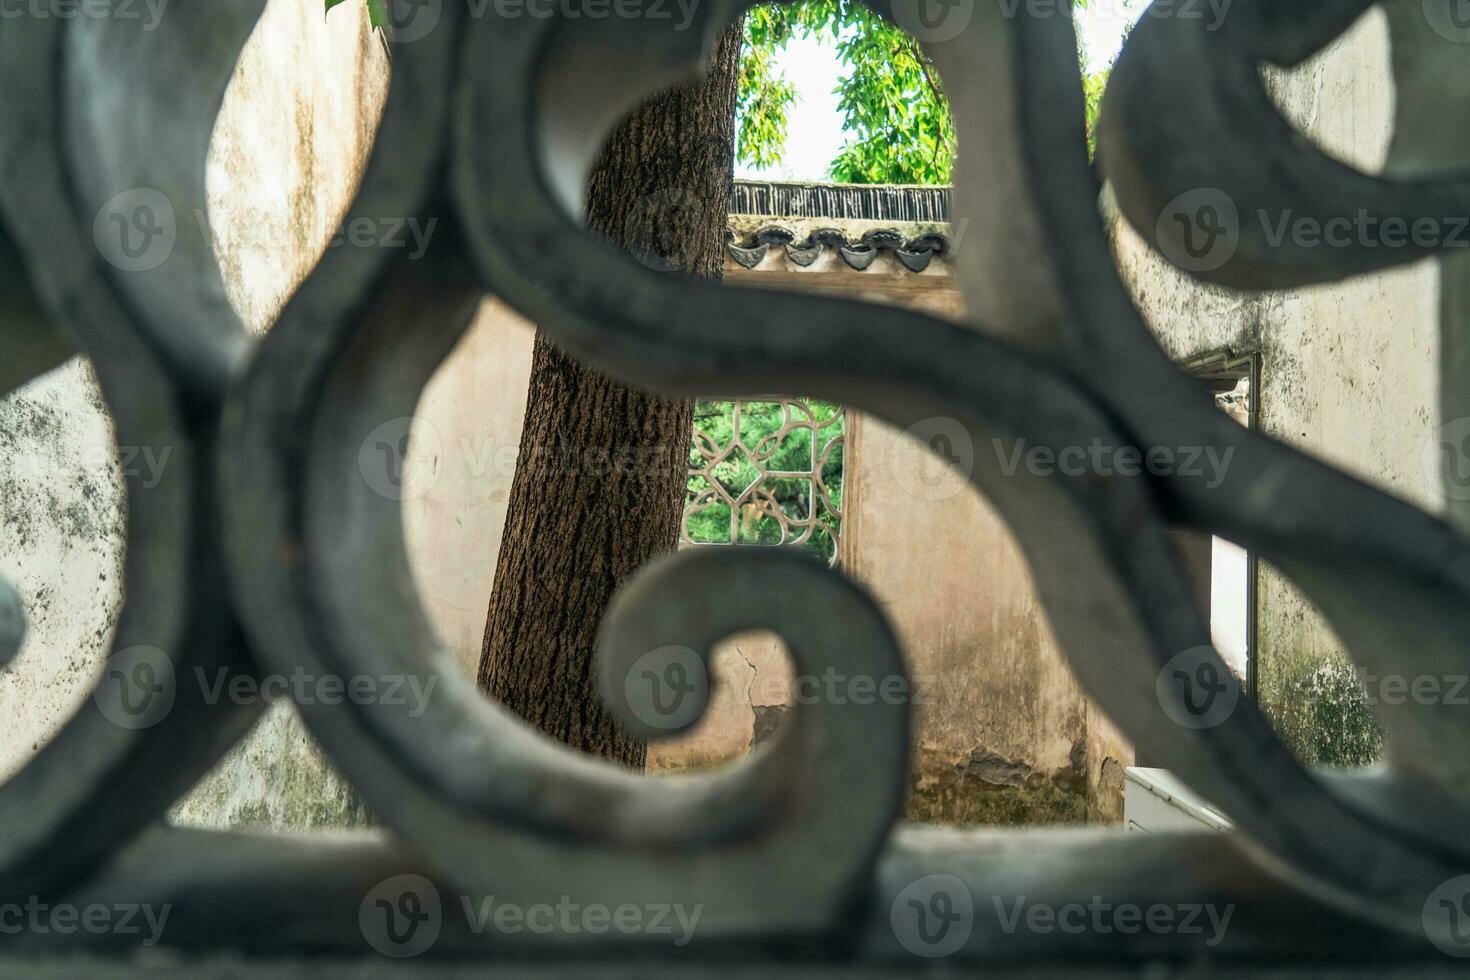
x=894, y=108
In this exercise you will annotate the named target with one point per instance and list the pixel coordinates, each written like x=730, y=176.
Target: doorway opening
x=1224, y=573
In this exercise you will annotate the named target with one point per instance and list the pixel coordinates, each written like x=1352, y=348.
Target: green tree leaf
x=377, y=11
x=893, y=104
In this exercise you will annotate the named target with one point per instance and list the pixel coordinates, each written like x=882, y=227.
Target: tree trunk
x=600, y=479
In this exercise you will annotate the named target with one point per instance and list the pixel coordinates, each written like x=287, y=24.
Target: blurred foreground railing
x=263, y=550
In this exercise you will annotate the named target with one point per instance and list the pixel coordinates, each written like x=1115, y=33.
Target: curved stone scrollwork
x=142, y=739
x=1046, y=280
x=1389, y=577
x=318, y=555
x=266, y=531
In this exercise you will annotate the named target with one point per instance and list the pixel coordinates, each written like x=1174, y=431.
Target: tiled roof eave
x=856, y=249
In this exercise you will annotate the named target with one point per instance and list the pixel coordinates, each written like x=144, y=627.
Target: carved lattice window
x=766, y=471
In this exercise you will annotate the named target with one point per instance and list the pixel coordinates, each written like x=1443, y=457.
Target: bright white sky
x=814, y=135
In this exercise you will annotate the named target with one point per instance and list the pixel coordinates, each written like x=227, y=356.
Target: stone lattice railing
x=264, y=550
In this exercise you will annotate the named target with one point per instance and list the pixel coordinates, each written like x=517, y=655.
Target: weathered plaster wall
x=288, y=149
x=61, y=521
x=1002, y=724
x=466, y=432
x=285, y=157
x=1349, y=370
x=287, y=152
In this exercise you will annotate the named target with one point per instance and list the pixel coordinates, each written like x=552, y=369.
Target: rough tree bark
x=600, y=478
